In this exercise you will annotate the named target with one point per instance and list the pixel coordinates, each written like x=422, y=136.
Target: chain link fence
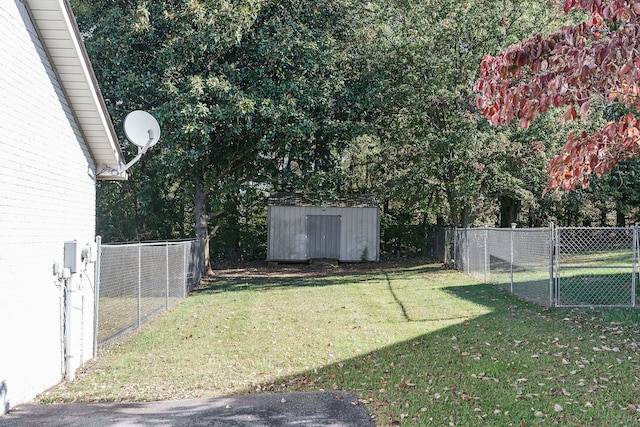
x=438, y=243
x=517, y=260
x=595, y=266
x=554, y=266
x=138, y=281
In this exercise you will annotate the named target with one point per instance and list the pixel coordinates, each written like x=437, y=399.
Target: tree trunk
x=453, y=208
x=620, y=219
x=603, y=217
x=465, y=216
x=200, y=199
x=509, y=209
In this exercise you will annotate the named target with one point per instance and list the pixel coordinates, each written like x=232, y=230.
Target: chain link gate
x=556, y=266
x=595, y=266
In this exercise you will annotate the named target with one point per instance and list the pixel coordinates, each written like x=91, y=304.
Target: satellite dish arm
x=142, y=130
x=141, y=151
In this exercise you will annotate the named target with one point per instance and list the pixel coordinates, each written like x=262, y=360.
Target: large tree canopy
x=593, y=64
x=331, y=97
x=437, y=156
x=247, y=92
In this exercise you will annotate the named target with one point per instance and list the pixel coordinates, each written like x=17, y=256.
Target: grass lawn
x=601, y=278
x=418, y=344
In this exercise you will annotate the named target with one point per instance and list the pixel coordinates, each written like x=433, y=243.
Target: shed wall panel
x=288, y=237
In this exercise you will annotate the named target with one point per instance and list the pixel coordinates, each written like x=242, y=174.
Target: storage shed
x=304, y=233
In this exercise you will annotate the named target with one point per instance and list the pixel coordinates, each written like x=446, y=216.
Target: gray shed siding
x=289, y=228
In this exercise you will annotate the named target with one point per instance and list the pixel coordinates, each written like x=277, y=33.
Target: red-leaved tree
x=596, y=61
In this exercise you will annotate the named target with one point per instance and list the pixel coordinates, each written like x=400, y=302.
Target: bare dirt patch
x=313, y=269
x=264, y=270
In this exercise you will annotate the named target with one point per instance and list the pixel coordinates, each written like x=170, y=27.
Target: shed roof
x=59, y=34
x=343, y=200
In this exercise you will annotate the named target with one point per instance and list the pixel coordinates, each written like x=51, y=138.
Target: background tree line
x=328, y=98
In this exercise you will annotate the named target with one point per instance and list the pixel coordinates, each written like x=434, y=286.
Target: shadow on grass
x=502, y=364
x=402, y=305
x=505, y=367
x=584, y=286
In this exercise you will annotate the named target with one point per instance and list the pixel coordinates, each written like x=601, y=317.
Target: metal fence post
x=466, y=241
x=454, y=240
x=511, y=259
x=555, y=262
x=486, y=255
x=635, y=265
x=185, y=267
x=166, y=252
x=96, y=295
x=139, y=284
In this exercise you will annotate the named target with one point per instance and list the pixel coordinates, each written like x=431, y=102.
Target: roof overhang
x=59, y=34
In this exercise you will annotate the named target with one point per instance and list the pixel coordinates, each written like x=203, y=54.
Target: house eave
x=59, y=34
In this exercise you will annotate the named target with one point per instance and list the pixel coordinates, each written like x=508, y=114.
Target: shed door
x=323, y=236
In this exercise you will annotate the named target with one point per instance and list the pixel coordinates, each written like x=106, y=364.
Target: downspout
x=96, y=296
x=67, y=330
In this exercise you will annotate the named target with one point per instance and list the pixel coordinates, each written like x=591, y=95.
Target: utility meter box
x=71, y=256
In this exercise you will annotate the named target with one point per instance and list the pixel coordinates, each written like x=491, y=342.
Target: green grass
x=598, y=278
x=604, y=258
x=419, y=345
x=119, y=314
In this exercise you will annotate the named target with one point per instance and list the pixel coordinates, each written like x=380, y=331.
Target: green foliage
x=324, y=98
x=617, y=191
x=248, y=94
x=400, y=236
x=365, y=255
x=437, y=155
x=242, y=228
x=148, y=206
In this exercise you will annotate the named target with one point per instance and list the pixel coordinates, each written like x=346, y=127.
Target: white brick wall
x=47, y=197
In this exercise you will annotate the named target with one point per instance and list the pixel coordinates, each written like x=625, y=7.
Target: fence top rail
x=519, y=230
x=595, y=228
x=150, y=243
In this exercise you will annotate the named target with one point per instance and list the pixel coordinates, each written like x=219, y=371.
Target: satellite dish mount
x=142, y=130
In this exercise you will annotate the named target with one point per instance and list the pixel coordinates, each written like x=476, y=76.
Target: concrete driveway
x=335, y=409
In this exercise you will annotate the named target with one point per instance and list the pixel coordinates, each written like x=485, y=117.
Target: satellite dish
x=142, y=129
